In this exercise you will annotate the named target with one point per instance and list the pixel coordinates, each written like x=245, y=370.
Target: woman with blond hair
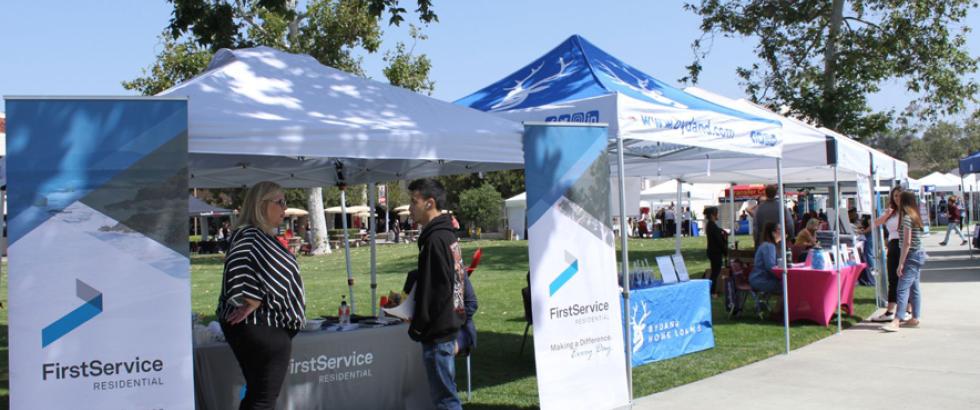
x=262, y=302
x=911, y=260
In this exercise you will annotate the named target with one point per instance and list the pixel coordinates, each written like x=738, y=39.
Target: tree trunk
x=828, y=111
x=318, y=222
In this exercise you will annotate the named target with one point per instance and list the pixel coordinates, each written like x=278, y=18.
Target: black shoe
x=942, y=243
x=964, y=242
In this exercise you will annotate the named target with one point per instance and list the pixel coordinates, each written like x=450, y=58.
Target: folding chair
x=469, y=379
x=740, y=290
x=526, y=295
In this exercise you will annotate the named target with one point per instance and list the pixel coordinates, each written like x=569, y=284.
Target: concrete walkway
x=936, y=366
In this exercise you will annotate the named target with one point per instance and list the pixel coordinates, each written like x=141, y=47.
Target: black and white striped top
x=257, y=266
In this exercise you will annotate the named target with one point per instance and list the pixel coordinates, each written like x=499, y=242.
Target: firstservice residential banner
x=99, y=268
x=578, y=332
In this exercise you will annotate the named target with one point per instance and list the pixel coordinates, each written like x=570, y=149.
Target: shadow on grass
x=496, y=360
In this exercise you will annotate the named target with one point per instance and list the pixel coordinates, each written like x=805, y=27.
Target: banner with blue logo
x=99, y=270
x=578, y=332
x=670, y=321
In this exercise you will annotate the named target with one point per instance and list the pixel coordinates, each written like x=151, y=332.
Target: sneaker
x=884, y=317
x=913, y=323
x=891, y=327
x=942, y=243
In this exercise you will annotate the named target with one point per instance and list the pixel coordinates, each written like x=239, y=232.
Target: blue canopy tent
x=684, y=136
x=969, y=165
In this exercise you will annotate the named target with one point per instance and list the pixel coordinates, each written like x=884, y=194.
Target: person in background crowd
x=910, y=264
x=953, y=222
x=762, y=277
x=440, y=308
x=262, y=302
x=717, y=246
x=670, y=222
x=865, y=229
x=808, y=236
x=890, y=220
x=768, y=212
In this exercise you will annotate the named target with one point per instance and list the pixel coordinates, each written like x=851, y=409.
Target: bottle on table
x=343, y=312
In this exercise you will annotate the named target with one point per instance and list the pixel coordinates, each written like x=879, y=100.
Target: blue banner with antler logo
x=670, y=321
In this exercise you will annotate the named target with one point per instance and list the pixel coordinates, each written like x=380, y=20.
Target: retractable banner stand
x=99, y=268
x=578, y=330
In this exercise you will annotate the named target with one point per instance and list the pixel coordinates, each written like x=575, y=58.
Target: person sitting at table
x=808, y=236
x=762, y=277
x=717, y=246
x=262, y=303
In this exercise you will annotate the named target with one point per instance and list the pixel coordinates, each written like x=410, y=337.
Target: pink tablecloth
x=813, y=293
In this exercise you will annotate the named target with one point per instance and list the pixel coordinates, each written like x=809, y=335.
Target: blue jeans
x=908, y=284
x=440, y=367
x=953, y=227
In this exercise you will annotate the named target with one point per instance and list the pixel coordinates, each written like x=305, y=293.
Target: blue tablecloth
x=670, y=321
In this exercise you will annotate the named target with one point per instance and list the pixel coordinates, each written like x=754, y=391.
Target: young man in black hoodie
x=439, y=288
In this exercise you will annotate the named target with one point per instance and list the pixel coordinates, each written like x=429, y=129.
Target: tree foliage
x=331, y=31
x=942, y=146
x=823, y=66
x=507, y=183
x=481, y=206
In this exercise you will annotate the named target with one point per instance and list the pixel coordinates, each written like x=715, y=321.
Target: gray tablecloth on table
x=329, y=370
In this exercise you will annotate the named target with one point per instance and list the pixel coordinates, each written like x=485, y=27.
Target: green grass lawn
x=501, y=377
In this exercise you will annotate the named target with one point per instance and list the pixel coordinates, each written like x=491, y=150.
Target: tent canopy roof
x=578, y=82
x=261, y=113
x=970, y=164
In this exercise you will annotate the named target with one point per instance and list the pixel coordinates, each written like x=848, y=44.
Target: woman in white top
x=890, y=220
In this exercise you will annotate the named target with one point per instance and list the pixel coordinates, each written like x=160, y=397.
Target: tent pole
x=372, y=233
x=874, y=231
x=782, y=249
x=837, y=253
x=731, y=204
x=343, y=224
x=387, y=212
x=625, y=266
x=678, y=219
x=963, y=205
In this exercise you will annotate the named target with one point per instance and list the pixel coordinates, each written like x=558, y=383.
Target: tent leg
x=782, y=249
x=343, y=224
x=678, y=218
x=372, y=233
x=624, y=243
x=731, y=205
x=837, y=254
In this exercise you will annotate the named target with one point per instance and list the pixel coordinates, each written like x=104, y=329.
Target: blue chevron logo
x=88, y=310
x=563, y=277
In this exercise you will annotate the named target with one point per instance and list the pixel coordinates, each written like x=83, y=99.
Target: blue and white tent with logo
x=578, y=82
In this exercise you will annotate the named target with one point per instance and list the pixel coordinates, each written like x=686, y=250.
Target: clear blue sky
x=71, y=47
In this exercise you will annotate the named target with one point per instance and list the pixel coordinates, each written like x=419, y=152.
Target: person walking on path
x=262, y=302
x=439, y=292
x=912, y=258
x=891, y=222
x=953, y=222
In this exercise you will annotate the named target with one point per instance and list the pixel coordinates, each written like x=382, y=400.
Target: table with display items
x=366, y=368
x=670, y=320
x=813, y=292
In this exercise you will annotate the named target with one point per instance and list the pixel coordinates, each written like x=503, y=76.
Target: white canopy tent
x=516, y=209
x=943, y=182
x=263, y=114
